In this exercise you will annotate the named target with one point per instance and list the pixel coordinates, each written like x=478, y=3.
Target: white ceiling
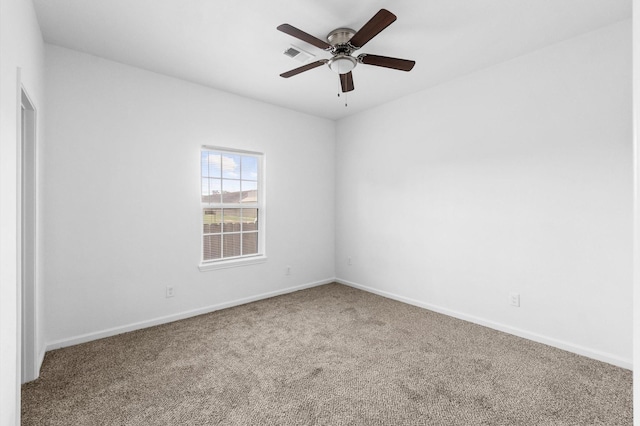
x=234, y=45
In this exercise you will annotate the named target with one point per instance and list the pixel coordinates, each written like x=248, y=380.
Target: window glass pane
x=249, y=168
x=212, y=221
x=230, y=191
x=230, y=166
x=211, y=247
x=213, y=164
x=211, y=190
x=249, y=192
x=249, y=219
x=204, y=164
x=231, y=220
x=231, y=245
x=250, y=243
x=204, y=188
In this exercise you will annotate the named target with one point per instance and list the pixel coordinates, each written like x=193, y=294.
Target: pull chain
x=346, y=98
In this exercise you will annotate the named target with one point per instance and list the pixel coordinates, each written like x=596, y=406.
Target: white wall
x=517, y=178
x=122, y=207
x=20, y=47
x=636, y=247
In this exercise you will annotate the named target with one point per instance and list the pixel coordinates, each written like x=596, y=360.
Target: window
x=232, y=205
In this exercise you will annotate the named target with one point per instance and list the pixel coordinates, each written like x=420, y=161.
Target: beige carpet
x=330, y=355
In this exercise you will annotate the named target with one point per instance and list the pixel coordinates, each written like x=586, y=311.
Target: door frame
x=27, y=320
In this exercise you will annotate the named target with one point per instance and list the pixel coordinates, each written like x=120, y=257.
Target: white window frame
x=231, y=262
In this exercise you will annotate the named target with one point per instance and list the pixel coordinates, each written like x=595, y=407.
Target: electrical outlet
x=288, y=272
x=349, y=261
x=170, y=292
x=514, y=299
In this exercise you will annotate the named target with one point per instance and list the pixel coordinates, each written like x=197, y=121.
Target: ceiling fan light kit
x=342, y=64
x=342, y=42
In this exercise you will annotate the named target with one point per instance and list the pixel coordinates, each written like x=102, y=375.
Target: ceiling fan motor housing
x=340, y=36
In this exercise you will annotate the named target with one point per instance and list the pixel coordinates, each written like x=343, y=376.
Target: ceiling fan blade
x=303, y=68
x=346, y=81
x=387, y=62
x=379, y=22
x=299, y=34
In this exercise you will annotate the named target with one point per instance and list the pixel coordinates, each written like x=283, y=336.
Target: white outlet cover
x=514, y=299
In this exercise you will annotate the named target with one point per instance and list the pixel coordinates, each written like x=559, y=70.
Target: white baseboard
x=40, y=360
x=567, y=346
x=175, y=317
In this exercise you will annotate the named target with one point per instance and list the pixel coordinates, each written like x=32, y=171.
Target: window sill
x=233, y=263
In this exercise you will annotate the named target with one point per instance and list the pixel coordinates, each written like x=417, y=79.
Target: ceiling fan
x=342, y=42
